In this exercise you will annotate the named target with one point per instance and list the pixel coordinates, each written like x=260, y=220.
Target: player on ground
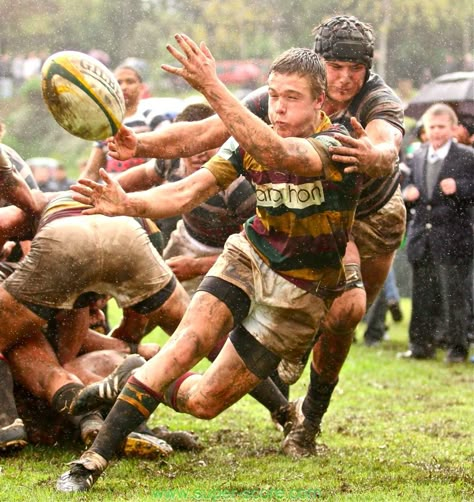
x=71, y=256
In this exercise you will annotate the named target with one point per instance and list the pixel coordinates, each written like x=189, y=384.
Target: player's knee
x=345, y=317
x=203, y=410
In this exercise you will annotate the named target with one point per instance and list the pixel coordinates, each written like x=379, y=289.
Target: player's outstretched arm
x=166, y=200
x=181, y=139
x=109, y=199
x=295, y=155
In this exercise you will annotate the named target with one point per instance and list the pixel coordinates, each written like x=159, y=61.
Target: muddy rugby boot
x=105, y=391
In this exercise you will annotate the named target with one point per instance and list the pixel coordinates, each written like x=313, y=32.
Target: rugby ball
x=83, y=95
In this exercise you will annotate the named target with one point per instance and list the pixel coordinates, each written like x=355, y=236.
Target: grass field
x=396, y=430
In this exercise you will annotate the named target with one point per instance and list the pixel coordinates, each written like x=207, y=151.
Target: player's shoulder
x=375, y=83
x=328, y=135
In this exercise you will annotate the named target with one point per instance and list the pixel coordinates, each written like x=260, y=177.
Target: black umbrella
x=455, y=89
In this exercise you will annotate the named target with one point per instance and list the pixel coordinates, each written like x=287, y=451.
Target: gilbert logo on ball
x=83, y=95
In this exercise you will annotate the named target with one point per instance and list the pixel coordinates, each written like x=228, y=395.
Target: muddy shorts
x=74, y=255
x=282, y=317
x=381, y=232
x=182, y=244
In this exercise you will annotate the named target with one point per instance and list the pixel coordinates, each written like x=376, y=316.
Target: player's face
x=292, y=108
x=439, y=130
x=192, y=164
x=345, y=80
x=130, y=85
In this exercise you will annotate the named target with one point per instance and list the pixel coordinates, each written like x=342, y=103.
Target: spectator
x=387, y=300
x=440, y=244
x=60, y=179
x=6, y=77
x=43, y=168
x=465, y=130
x=31, y=66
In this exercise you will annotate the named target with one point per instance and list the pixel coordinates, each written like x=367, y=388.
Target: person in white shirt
x=440, y=244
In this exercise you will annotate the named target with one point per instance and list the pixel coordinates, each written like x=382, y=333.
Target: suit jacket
x=443, y=222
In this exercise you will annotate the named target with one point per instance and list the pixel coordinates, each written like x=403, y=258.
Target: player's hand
x=183, y=267
x=123, y=145
x=199, y=66
x=448, y=186
x=357, y=152
x=109, y=199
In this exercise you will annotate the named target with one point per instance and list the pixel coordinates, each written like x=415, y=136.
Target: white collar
x=440, y=153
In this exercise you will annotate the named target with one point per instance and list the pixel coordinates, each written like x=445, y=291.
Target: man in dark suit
x=440, y=239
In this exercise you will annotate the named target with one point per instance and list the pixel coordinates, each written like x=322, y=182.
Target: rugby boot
x=13, y=436
x=83, y=473
x=12, y=428
x=178, y=440
x=280, y=417
x=300, y=433
x=105, y=391
x=145, y=446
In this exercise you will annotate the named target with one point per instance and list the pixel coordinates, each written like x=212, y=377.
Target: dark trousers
x=376, y=320
x=439, y=306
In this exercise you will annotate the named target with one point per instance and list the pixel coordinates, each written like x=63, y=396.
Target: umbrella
x=455, y=89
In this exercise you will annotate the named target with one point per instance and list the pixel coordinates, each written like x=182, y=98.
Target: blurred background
x=416, y=41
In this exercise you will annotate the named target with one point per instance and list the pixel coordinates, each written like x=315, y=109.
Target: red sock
x=171, y=393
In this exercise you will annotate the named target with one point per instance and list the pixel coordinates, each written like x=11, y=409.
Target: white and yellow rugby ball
x=83, y=95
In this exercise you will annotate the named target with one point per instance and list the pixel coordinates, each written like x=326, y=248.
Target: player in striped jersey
x=274, y=282
x=362, y=101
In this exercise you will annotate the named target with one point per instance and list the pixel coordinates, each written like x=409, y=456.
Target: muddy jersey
x=375, y=100
x=302, y=223
x=223, y=214
x=21, y=167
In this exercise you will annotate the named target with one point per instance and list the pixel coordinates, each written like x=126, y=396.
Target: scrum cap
x=345, y=38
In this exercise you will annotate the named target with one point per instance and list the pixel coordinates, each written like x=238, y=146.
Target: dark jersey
x=375, y=100
x=21, y=167
x=222, y=215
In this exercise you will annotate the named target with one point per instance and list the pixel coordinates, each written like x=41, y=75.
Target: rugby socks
x=317, y=398
x=134, y=405
x=282, y=386
x=64, y=397
x=8, y=411
x=269, y=395
x=170, y=397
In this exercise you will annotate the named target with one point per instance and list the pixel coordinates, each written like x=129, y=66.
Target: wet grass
x=396, y=430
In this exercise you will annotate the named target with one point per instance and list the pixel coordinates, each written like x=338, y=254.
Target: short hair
x=194, y=112
x=439, y=109
x=131, y=68
x=303, y=62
